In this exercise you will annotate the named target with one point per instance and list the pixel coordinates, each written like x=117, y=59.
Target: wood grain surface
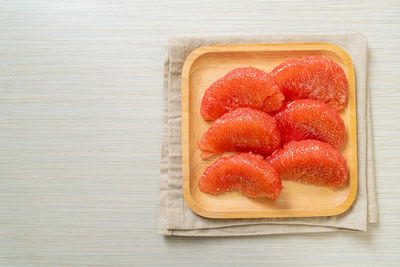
x=80, y=131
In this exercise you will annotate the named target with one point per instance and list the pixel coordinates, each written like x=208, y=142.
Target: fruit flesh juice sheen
x=247, y=173
x=312, y=77
x=241, y=130
x=241, y=87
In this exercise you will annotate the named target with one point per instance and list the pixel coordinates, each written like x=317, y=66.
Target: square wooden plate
x=207, y=64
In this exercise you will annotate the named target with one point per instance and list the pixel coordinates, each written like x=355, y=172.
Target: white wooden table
x=80, y=130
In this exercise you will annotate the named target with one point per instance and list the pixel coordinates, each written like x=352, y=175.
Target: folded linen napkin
x=175, y=218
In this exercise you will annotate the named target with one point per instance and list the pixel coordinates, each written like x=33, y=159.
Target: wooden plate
x=204, y=66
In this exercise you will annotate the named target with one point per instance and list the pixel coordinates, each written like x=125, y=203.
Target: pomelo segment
x=247, y=173
x=314, y=77
x=242, y=87
x=310, y=161
x=310, y=119
x=241, y=130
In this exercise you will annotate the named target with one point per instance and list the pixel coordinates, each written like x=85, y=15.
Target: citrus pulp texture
x=310, y=161
x=242, y=87
x=241, y=130
x=247, y=173
x=314, y=77
x=310, y=119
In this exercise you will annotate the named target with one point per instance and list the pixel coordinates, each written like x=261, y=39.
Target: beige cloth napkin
x=175, y=218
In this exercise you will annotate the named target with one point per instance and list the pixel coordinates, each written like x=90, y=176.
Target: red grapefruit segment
x=310, y=119
x=242, y=130
x=310, y=161
x=241, y=87
x=247, y=173
x=313, y=77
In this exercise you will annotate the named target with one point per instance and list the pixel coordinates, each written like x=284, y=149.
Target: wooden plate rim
x=193, y=56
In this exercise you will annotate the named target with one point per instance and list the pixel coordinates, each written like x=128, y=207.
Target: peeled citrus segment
x=312, y=77
x=247, y=173
x=241, y=130
x=310, y=161
x=242, y=87
x=310, y=119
